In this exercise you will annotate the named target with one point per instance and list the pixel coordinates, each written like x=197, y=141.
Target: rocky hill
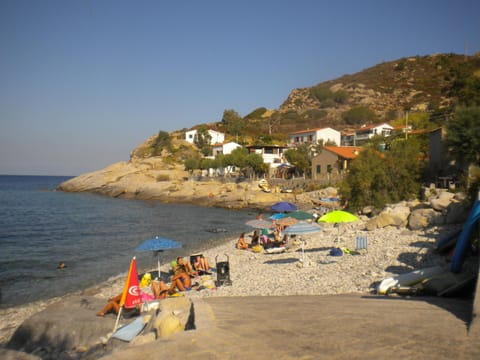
x=426, y=84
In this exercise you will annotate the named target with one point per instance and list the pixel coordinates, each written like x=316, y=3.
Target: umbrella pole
x=118, y=318
x=158, y=267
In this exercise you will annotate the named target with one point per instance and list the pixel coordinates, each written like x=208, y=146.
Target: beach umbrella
x=259, y=223
x=301, y=215
x=337, y=217
x=300, y=229
x=158, y=244
x=277, y=216
x=287, y=221
x=284, y=206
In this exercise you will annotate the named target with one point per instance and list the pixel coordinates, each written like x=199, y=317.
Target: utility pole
x=406, y=125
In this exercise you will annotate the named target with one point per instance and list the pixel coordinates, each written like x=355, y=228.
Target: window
x=319, y=169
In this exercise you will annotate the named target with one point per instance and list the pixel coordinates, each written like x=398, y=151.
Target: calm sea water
x=95, y=236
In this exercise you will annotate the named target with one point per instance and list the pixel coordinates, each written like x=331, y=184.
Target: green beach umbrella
x=337, y=217
x=301, y=215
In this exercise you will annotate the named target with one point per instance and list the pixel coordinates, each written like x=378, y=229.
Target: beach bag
x=336, y=252
x=257, y=248
x=146, y=279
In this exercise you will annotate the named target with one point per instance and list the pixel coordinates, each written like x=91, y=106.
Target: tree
x=238, y=157
x=273, y=121
x=162, y=141
x=203, y=141
x=192, y=163
x=379, y=178
x=234, y=123
x=300, y=157
x=463, y=136
x=256, y=164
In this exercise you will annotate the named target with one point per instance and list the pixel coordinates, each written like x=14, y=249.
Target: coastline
x=390, y=251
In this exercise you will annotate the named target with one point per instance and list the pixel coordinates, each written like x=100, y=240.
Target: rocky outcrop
x=69, y=329
x=151, y=179
x=441, y=208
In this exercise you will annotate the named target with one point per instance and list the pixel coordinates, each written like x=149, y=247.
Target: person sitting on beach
x=201, y=265
x=255, y=239
x=182, y=266
x=241, y=243
x=180, y=281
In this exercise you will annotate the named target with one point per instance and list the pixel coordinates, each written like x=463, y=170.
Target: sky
x=82, y=83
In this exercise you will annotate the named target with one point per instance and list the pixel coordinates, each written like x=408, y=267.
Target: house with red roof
x=332, y=163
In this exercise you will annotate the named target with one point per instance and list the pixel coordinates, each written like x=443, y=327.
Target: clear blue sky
x=82, y=83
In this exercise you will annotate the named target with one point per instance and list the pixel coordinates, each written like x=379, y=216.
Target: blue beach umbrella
x=284, y=206
x=158, y=244
x=277, y=216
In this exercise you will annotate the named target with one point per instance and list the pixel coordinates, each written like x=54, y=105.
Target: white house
x=367, y=132
x=224, y=149
x=271, y=154
x=314, y=135
x=216, y=137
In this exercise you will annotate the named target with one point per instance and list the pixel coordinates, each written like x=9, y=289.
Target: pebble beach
x=313, y=271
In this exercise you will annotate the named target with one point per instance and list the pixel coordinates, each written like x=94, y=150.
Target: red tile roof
x=346, y=152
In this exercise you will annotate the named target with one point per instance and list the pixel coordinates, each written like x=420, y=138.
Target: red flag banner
x=131, y=292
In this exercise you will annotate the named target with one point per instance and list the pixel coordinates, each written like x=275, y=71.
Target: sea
x=95, y=236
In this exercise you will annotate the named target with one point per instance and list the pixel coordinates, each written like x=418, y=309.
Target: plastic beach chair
x=361, y=242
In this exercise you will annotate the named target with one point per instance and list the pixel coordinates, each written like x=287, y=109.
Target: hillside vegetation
x=429, y=87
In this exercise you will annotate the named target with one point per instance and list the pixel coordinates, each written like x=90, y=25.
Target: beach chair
x=361, y=242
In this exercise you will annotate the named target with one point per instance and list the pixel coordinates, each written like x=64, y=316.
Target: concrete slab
x=313, y=327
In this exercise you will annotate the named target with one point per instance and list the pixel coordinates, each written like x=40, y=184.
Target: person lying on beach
x=241, y=243
x=159, y=289
x=201, y=265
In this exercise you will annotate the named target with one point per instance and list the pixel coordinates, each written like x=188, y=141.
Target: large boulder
x=382, y=220
x=442, y=201
x=423, y=218
x=176, y=315
x=67, y=326
x=399, y=214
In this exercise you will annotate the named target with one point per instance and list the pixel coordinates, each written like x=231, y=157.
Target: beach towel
x=129, y=331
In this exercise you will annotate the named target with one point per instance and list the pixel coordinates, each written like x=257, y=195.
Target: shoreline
x=390, y=251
